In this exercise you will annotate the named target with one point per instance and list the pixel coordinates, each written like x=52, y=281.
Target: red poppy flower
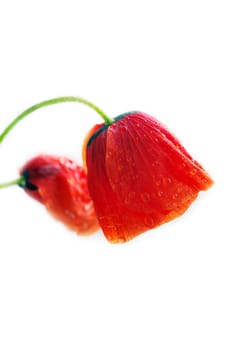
x=61, y=185
x=139, y=175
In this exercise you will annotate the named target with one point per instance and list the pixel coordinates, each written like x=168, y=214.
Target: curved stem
x=19, y=181
x=52, y=102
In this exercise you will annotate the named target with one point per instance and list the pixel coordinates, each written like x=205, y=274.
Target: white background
x=171, y=287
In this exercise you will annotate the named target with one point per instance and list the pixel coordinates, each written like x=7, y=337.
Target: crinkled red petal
x=62, y=188
x=140, y=176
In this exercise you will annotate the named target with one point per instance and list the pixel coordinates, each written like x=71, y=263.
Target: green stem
x=52, y=102
x=19, y=181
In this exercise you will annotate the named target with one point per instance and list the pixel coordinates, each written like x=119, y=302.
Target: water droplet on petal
x=155, y=164
x=126, y=201
x=159, y=193
x=145, y=196
x=131, y=195
x=193, y=172
x=70, y=214
x=123, y=129
x=149, y=221
x=166, y=181
x=87, y=207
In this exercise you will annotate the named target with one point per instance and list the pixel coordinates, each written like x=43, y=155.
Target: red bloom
x=61, y=185
x=139, y=175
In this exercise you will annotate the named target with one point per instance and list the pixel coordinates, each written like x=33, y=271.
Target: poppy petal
x=143, y=158
x=61, y=185
x=140, y=176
